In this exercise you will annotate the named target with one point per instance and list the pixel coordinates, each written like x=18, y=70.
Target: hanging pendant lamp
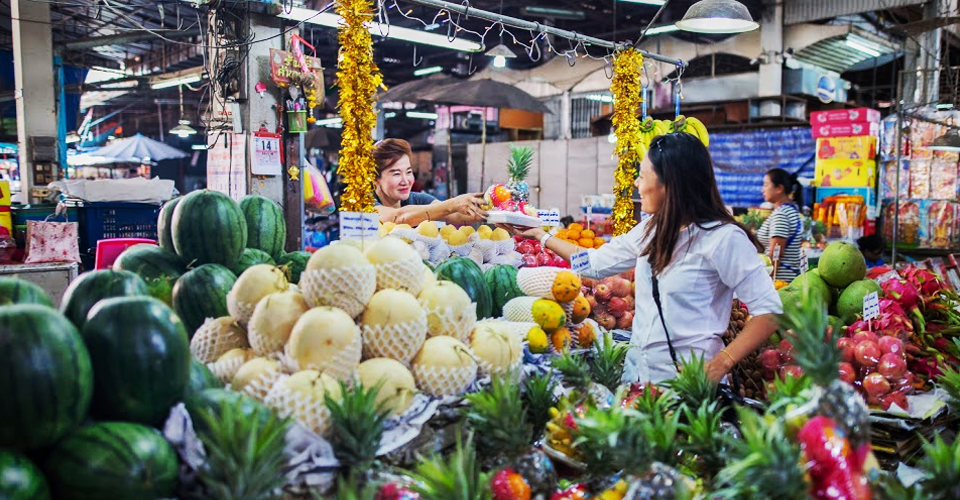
x=183, y=129
x=946, y=142
x=718, y=17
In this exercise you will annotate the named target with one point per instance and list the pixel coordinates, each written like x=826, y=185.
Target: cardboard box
x=845, y=173
x=6, y=220
x=847, y=148
x=849, y=129
x=845, y=116
x=5, y=195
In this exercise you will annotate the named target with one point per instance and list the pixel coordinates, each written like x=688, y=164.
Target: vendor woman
x=396, y=202
x=690, y=257
x=781, y=233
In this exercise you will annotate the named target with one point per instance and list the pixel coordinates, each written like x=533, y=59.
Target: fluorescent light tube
x=423, y=116
x=862, y=48
x=376, y=29
x=600, y=98
x=330, y=122
x=666, y=28
x=427, y=71
x=173, y=82
x=658, y=3
x=199, y=147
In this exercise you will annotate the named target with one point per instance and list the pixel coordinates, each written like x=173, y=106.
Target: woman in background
x=781, y=232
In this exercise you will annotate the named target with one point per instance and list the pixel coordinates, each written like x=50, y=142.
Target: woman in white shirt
x=700, y=256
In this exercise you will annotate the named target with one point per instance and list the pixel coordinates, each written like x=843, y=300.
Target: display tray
x=514, y=218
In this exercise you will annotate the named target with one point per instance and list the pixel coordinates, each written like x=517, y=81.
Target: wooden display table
x=53, y=277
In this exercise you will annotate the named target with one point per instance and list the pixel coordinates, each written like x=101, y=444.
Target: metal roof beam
x=802, y=11
x=125, y=38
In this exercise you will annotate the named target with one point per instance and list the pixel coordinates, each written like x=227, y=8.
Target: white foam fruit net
x=342, y=365
x=408, y=235
x=476, y=255
x=241, y=311
x=537, y=281
x=513, y=259
x=422, y=250
x=568, y=310
x=462, y=250
x=439, y=253
x=305, y=407
x=212, y=341
x=504, y=246
x=265, y=345
x=400, y=341
x=348, y=288
x=442, y=381
x=404, y=274
x=488, y=249
x=226, y=369
x=456, y=323
x=520, y=309
x=260, y=386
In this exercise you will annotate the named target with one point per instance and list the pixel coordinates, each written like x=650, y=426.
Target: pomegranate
x=846, y=346
x=785, y=346
x=602, y=292
x=892, y=366
x=770, y=359
x=898, y=398
x=876, y=385
x=607, y=321
x=525, y=247
x=867, y=353
x=536, y=246
x=890, y=345
x=791, y=371
x=530, y=260
x=865, y=336
x=557, y=261
x=847, y=373
x=544, y=259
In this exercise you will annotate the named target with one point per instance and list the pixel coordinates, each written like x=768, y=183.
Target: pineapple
x=245, y=457
x=817, y=353
x=663, y=482
x=703, y=438
x=518, y=167
x=499, y=419
x=941, y=465
x=606, y=361
x=612, y=440
x=691, y=384
x=538, y=398
x=457, y=476
x=949, y=381
x=356, y=425
x=764, y=464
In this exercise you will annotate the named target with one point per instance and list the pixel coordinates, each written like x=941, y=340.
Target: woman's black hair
x=870, y=242
x=781, y=178
x=682, y=164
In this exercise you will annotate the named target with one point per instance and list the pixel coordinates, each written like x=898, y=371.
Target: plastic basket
x=112, y=220
x=109, y=250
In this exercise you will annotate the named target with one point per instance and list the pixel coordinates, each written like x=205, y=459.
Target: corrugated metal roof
x=843, y=52
x=802, y=11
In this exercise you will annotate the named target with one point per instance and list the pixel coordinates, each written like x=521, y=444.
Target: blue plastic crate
x=107, y=220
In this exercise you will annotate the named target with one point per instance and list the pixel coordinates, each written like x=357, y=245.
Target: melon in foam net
x=397, y=388
x=497, y=345
x=254, y=284
x=256, y=376
x=449, y=310
x=339, y=275
x=444, y=367
x=398, y=265
x=327, y=340
x=301, y=396
x=217, y=336
x=273, y=320
x=394, y=326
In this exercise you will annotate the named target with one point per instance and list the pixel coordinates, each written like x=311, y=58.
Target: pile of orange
x=576, y=234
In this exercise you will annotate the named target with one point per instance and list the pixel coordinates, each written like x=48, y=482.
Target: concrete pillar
x=35, y=92
x=566, y=117
x=921, y=84
x=257, y=110
x=771, y=43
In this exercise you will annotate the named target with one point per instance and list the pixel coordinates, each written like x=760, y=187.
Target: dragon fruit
x=892, y=307
x=926, y=281
x=906, y=294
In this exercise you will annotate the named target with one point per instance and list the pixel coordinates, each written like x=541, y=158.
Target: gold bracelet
x=724, y=351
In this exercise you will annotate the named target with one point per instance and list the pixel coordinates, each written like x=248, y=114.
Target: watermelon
x=20, y=479
x=467, y=274
x=113, y=461
x=159, y=268
x=46, y=376
x=202, y=293
x=213, y=400
x=250, y=258
x=209, y=228
x=165, y=224
x=296, y=262
x=266, y=227
x=502, y=282
x=21, y=291
x=94, y=286
x=141, y=359
x=201, y=378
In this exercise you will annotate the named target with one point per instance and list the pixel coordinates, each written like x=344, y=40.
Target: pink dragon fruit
x=906, y=294
x=893, y=325
x=926, y=281
x=892, y=307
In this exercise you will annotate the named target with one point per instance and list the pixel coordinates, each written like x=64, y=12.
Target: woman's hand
x=469, y=205
x=719, y=366
x=533, y=233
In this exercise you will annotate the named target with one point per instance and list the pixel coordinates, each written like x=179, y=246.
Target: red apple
x=892, y=366
x=603, y=293
x=607, y=321
x=626, y=321
x=591, y=300
x=847, y=373
x=617, y=307
x=876, y=385
x=867, y=353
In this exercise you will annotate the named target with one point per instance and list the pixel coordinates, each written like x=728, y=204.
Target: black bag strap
x=655, y=291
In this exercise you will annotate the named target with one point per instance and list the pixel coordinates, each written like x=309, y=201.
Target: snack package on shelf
x=888, y=188
x=943, y=177
x=843, y=216
x=908, y=235
x=940, y=227
x=920, y=178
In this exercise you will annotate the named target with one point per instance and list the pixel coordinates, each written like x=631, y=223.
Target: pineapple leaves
x=815, y=349
x=574, y=369
x=457, y=476
x=691, y=384
x=498, y=416
x=538, y=398
x=606, y=361
x=703, y=436
x=357, y=421
x=611, y=440
x=941, y=464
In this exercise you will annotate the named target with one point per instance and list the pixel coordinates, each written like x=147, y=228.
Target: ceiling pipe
x=124, y=38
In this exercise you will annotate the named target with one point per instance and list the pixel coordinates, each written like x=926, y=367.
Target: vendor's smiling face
x=396, y=180
x=651, y=190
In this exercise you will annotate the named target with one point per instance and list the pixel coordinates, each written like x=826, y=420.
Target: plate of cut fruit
x=514, y=218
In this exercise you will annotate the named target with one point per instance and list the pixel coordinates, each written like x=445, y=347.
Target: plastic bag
x=316, y=192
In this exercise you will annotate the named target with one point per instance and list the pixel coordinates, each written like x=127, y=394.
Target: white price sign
x=871, y=306
x=579, y=262
x=359, y=225
x=776, y=252
x=804, y=262
x=549, y=217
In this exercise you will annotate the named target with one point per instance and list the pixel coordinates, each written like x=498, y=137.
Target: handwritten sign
x=871, y=306
x=359, y=226
x=549, y=217
x=227, y=164
x=804, y=262
x=776, y=252
x=579, y=262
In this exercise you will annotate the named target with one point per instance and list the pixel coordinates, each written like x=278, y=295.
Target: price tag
x=579, y=262
x=359, y=226
x=871, y=306
x=776, y=252
x=549, y=217
x=804, y=262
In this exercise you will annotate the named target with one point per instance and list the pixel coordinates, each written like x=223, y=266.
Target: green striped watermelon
x=21, y=291
x=94, y=286
x=46, y=376
x=165, y=224
x=213, y=401
x=141, y=359
x=113, y=461
x=266, y=226
x=20, y=479
x=201, y=378
x=296, y=263
x=250, y=258
x=159, y=268
x=467, y=274
x=209, y=228
x=202, y=293
x=502, y=282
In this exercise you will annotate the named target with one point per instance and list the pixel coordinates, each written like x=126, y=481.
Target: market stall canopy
x=484, y=92
x=139, y=148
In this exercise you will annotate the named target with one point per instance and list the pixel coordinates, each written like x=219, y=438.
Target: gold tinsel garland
x=627, y=67
x=358, y=79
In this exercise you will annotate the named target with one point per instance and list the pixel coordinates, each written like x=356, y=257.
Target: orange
x=598, y=242
x=561, y=339
x=586, y=233
x=562, y=234
x=573, y=234
x=575, y=227
x=585, y=242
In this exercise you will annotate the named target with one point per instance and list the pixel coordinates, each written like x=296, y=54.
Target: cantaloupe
x=226, y=366
x=327, y=340
x=256, y=376
x=444, y=366
x=497, y=345
x=217, y=336
x=339, y=276
x=254, y=284
x=394, y=326
x=449, y=310
x=301, y=396
x=398, y=386
x=273, y=320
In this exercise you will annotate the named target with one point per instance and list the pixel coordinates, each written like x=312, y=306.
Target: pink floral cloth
x=52, y=242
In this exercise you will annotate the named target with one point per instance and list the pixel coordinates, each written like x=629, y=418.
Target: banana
x=700, y=128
